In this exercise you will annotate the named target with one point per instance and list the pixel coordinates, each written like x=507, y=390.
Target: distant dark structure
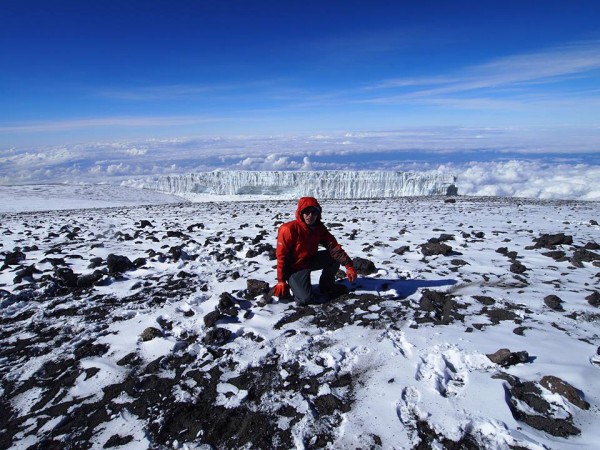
x=452, y=189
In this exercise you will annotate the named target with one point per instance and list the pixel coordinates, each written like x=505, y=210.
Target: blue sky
x=79, y=71
x=505, y=94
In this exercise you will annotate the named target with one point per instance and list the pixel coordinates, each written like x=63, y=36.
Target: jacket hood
x=307, y=202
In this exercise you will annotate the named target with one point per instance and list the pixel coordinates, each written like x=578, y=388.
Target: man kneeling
x=298, y=255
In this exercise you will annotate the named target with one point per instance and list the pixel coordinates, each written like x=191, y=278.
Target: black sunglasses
x=308, y=211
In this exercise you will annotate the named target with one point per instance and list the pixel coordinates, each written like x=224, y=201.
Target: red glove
x=280, y=289
x=351, y=273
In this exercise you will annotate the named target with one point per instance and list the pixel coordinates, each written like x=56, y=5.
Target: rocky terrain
x=473, y=324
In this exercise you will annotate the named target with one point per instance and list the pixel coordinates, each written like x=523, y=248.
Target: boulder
x=440, y=308
x=150, y=333
x=592, y=246
x=486, y=300
x=401, y=250
x=553, y=302
x=66, y=276
x=517, y=267
x=594, y=299
x=565, y=390
x=217, y=336
x=557, y=255
x=14, y=258
x=551, y=240
x=89, y=280
x=435, y=248
x=505, y=358
x=118, y=264
x=212, y=317
x=529, y=406
x=363, y=266
x=255, y=288
x=582, y=255
x=145, y=223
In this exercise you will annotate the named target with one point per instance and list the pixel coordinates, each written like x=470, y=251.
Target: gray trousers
x=300, y=281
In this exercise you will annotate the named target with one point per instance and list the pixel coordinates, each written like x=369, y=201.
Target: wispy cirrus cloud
x=152, y=93
x=142, y=122
x=550, y=66
x=164, y=92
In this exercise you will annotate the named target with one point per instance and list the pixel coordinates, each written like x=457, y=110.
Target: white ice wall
x=320, y=184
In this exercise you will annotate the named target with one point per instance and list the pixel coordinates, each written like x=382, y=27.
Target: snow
x=44, y=197
x=403, y=372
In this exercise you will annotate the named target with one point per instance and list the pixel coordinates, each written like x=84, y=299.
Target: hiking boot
x=334, y=291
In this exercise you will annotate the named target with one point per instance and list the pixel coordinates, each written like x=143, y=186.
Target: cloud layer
x=506, y=162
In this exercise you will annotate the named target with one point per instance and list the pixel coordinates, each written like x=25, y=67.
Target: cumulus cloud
x=136, y=151
x=276, y=162
x=532, y=179
x=306, y=164
x=117, y=169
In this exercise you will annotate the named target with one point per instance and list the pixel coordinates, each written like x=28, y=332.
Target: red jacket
x=297, y=243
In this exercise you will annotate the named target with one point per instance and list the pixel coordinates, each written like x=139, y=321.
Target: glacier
x=327, y=184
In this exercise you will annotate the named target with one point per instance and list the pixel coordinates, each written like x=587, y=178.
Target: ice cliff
x=321, y=184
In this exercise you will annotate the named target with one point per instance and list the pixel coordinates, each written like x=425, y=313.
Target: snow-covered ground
x=183, y=348
x=45, y=197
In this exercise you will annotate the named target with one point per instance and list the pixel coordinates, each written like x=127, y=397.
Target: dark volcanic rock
x=95, y=262
x=255, y=288
x=117, y=441
x=557, y=255
x=594, y=299
x=538, y=413
x=89, y=280
x=553, y=302
x=212, y=317
x=26, y=273
x=226, y=301
x=484, y=299
x=517, y=267
x=505, y=358
x=145, y=223
x=66, y=277
x=89, y=349
x=459, y=262
x=118, y=264
x=363, y=266
x=551, y=240
x=442, y=238
x=14, y=258
x=402, y=250
x=498, y=315
x=150, y=333
x=217, y=336
x=565, y=390
x=440, y=308
x=582, y=255
x=260, y=249
x=195, y=226
x=436, y=248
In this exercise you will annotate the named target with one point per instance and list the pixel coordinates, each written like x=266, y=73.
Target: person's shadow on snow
x=403, y=288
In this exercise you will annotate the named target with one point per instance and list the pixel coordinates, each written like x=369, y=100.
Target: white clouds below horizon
x=527, y=179
x=499, y=162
